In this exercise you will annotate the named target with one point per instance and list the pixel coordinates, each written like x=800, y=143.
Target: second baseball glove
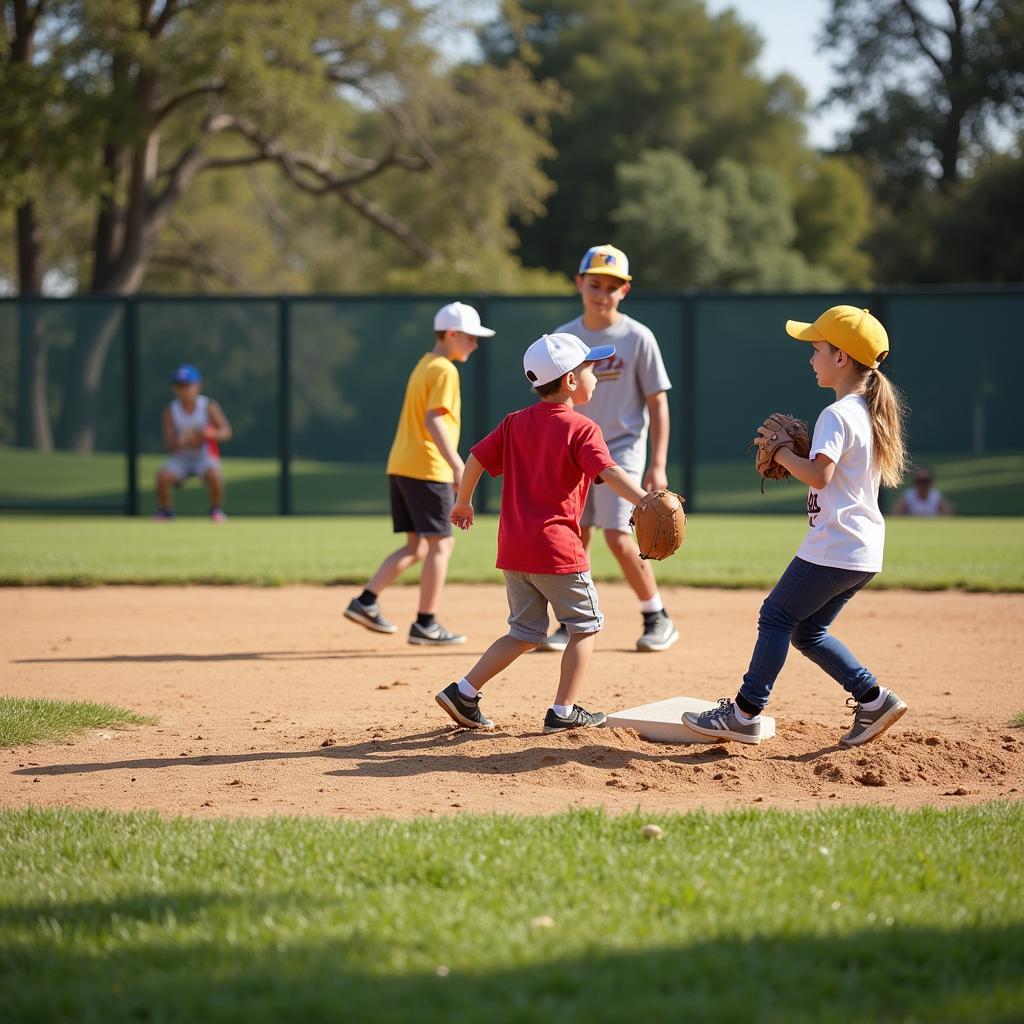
x=780, y=430
x=659, y=523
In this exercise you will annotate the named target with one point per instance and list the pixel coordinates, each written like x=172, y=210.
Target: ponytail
x=888, y=410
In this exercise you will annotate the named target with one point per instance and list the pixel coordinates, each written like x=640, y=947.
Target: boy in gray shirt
x=630, y=401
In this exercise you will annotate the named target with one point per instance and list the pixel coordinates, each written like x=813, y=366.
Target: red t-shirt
x=548, y=454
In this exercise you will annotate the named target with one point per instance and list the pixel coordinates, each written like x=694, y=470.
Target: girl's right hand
x=462, y=515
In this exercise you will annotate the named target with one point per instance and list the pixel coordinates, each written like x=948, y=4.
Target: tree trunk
x=76, y=428
x=33, y=413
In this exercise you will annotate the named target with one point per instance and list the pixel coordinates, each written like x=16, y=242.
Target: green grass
x=720, y=550
x=24, y=720
x=1018, y=719
x=976, y=485
x=848, y=915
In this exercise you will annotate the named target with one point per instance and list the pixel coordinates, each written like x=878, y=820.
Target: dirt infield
x=269, y=702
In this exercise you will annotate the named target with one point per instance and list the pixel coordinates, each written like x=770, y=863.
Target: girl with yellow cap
x=858, y=444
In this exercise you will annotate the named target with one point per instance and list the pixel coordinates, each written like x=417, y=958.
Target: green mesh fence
x=313, y=387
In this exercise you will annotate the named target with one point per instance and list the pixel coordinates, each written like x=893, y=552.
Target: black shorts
x=421, y=506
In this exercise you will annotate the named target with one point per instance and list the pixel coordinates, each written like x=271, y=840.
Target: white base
x=662, y=721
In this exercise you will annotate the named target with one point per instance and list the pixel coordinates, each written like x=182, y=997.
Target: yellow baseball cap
x=605, y=259
x=853, y=330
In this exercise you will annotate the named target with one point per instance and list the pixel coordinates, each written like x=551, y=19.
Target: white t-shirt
x=845, y=527
x=624, y=382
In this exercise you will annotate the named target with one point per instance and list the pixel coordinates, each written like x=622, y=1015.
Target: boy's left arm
x=656, y=476
x=623, y=484
x=434, y=422
x=218, y=429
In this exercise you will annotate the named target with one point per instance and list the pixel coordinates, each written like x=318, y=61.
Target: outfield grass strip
x=851, y=914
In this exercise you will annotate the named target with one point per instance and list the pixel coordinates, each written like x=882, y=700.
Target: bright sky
x=790, y=29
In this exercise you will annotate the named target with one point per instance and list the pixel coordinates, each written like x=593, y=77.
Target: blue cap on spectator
x=186, y=374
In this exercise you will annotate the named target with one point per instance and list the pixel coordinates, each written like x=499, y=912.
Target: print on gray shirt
x=619, y=405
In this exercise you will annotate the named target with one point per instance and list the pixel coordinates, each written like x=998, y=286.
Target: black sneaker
x=434, y=636
x=868, y=725
x=659, y=632
x=558, y=641
x=464, y=711
x=579, y=718
x=369, y=615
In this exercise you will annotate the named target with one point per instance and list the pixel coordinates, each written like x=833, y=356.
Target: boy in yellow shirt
x=424, y=472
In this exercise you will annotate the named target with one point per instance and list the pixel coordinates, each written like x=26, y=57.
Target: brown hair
x=551, y=388
x=888, y=411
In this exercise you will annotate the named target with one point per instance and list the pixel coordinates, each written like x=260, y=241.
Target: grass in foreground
x=720, y=550
x=24, y=720
x=848, y=915
x=1018, y=719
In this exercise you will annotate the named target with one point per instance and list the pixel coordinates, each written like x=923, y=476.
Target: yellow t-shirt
x=433, y=384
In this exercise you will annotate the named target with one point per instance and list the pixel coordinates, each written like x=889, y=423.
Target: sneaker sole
x=426, y=642
x=554, y=648
x=721, y=737
x=453, y=713
x=663, y=646
x=878, y=728
x=569, y=728
x=368, y=624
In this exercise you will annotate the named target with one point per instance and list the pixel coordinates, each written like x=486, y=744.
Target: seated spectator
x=923, y=499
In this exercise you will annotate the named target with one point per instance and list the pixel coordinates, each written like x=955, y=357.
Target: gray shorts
x=572, y=596
x=605, y=510
x=198, y=462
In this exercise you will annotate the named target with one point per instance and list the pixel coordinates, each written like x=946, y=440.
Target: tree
x=339, y=96
x=931, y=83
x=648, y=75
x=732, y=228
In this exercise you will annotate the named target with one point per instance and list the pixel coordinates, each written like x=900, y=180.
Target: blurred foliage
x=660, y=75
x=937, y=91
x=733, y=228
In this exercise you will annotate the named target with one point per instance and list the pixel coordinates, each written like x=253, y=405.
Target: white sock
x=876, y=704
x=652, y=604
x=562, y=710
x=743, y=716
x=467, y=689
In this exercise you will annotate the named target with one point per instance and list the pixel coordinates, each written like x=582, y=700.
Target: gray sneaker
x=557, y=641
x=464, y=711
x=721, y=724
x=869, y=724
x=434, y=636
x=659, y=632
x=368, y=615
x=578, y=718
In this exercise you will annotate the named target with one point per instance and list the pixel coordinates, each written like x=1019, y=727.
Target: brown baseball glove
x=780, y=430
x=659, y=524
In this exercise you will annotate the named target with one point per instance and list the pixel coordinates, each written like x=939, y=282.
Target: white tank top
x=197, y=419
x=918, y=506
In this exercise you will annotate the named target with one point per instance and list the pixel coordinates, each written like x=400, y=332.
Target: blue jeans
x=804, y=603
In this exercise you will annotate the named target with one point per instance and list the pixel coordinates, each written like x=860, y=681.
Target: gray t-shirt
x=625, y=381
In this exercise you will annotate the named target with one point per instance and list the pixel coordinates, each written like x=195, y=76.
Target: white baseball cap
x=551, y=355
x=457, y=316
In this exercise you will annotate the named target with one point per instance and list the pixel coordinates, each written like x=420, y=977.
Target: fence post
x=482, y=425
x=131, y=405
x=689, y=417
x=284, y=413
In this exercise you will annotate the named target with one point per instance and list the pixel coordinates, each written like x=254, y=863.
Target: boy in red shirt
x=549, y=454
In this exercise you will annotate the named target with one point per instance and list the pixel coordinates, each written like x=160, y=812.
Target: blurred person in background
x=193, y=427
x=923, y=499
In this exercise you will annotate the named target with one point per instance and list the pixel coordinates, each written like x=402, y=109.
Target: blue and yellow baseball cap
x=186, y=374
x=605, y=259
